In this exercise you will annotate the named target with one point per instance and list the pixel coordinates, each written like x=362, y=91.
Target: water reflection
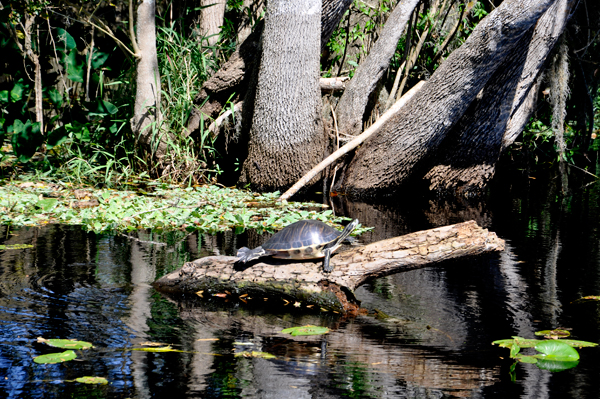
x=428, y=331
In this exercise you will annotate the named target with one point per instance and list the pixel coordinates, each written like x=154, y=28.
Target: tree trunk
x=400, y=150
x=305, y=282
x=146, y=112
x=353, y=103
x=231, y=81
x=252, y=9
x=475, y=144
x=286, y=137
x=211, y=20
x=333, y=11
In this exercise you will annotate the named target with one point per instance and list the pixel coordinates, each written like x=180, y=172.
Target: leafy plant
x=55, y=357
x=305, y=330
x=554, y=354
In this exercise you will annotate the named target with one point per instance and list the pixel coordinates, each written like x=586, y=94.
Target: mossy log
x=305, y=283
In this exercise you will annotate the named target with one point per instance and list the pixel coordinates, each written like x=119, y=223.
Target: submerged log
x=305, y=283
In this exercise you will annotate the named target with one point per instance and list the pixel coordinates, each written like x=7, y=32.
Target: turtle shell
x=301, y=240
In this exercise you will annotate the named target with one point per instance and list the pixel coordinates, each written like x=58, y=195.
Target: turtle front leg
x=327, y=268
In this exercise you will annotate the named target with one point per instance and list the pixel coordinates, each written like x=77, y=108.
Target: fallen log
x=305, y=283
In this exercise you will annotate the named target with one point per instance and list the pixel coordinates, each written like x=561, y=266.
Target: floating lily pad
x=554, y=334
x=92, y=380
x=55, y=357
x=263, y=355
x=306, y=330
x=578, y=344
x=65, y=343
x=557, y=350
x=588, y=298
x=521, y=342
x=526, y=359
x=15, y=246
x=161, y=349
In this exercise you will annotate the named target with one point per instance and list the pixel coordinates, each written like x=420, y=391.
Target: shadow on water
x=427, y=333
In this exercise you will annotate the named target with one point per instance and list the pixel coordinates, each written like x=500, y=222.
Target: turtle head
x=246, y=254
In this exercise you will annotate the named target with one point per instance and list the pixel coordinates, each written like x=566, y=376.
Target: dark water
x=435, y=343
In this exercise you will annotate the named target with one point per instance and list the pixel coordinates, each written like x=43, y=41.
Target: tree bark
x=211, y=20
x=231, y=81
x=400, y=150
x=146, y=112
x=353, y=103
x=333, y=11
x=306, y=282
x=475, y=144
x=286, y=137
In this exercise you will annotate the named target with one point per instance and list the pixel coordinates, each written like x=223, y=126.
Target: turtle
x=305, y=239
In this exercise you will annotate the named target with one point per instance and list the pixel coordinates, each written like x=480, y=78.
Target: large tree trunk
x=230, y=83
x=306, y=283
x=211, y=20
x=353, y=103
x=386, y=161
x=146, y=112
x=333, y=11
x=286, y=137
x=473, y=147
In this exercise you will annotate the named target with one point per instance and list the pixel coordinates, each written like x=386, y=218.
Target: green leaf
x=264, y=355
x=306, y=330
x=65, y=343
x=56, y=137
x=79, y=130
x=105, y=107
x=74, y=68
x=514, y=349
x=26, y=139
x=66, y=39
x=17, y=91
x=55, y=96
x=15, y=246
x=557, y=350
x=161, y=349
x=526, y=359
x=46, y=204
x=578, y=344
x=98, y=59
x=4, y=96
x=55, y=357
x=92, y=380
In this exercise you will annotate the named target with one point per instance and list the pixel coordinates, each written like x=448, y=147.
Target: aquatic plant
x=555, y=353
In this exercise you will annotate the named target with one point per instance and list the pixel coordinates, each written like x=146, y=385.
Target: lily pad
x=65, y=343
x=15, y=246
x=92, y=380
x=306, y=330
x=263, y=355
x=55, y=357
x=578, y=344
x=526, y=359
x=554, y=334
x=557, y=350
x=521, y=342
x=160, y=349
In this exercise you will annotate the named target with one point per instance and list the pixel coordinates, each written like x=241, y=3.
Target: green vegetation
x=160, y=207
x=86, y=91
x=305, y=330
x=555, y=354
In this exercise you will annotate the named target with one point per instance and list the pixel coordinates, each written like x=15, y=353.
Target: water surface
x=428, y=333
